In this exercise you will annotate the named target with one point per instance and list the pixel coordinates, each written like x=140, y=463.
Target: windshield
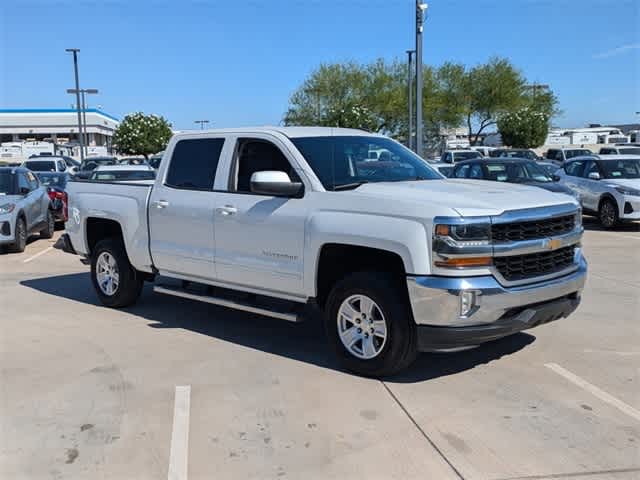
x=92, y=163
x=52, y=180
x=346, y=162
x=517, y=172
x=577, y=153
x=629, y=150
x=528, y=154
x=123, y=175
x=41, y=166
x=621, y=168
x=550, y=169
x=7, y=183
x=460, y=156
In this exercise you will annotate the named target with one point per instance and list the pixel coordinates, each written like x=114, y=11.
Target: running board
x=221, y=301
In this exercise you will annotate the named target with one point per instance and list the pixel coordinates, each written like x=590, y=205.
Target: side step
x=275, y=308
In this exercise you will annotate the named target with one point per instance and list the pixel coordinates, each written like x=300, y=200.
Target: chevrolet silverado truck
x=286, y=221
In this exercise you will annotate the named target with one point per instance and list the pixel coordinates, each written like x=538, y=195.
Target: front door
x=181, y=210
x=259, y=238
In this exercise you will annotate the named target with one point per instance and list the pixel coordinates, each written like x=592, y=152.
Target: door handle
x=161, y=203
x=227, y=210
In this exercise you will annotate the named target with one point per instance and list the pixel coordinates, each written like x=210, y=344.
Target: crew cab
x=283, y=221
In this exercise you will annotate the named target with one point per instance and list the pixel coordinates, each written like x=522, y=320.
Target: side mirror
x=278, y=184
x=555, y=178
x=594, y=176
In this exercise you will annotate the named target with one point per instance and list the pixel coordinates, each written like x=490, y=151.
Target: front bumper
x=630, y=208
x=6, y=230
x=496, y=311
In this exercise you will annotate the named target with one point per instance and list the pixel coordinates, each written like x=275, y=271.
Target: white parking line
x=626, y=236
x=179, y=453
x=33, y=257
x=601, y=394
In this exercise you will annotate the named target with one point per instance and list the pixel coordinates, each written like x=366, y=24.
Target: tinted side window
x=194, y=163
x=476, y=171
x=461, y=172
x=575, y=169
x=23, y=182
x=254, y=155
x=551, y=154
x=592, y=167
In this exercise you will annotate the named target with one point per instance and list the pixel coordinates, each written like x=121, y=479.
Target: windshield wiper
x=349, y=186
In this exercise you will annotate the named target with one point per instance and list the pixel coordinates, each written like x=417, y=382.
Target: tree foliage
x=140, y=134
x=374, y=97
x=525, y=128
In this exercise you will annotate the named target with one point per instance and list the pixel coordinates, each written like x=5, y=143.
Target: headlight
x=465, y=234
x=7, y=207
x=628, y=191
x=462, y=245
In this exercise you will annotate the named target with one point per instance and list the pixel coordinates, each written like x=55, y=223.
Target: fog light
x=467, y=302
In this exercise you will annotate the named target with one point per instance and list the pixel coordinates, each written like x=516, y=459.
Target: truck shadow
x=303, y=342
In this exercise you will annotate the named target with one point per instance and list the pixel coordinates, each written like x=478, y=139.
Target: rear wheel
x=369, y=324
x=115, y=280
x=49, y=230
x=608, y=213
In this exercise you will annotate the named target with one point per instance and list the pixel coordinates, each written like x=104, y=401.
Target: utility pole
x=535, y=87
x=410, y=96
x=420, y=9
x=75, y=68
x=201, y=122
x=83, y=91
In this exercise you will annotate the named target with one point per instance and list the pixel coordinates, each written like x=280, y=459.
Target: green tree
x=140, y=134
x=524, y=128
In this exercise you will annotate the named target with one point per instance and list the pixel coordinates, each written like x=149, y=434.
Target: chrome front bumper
x=436, y=301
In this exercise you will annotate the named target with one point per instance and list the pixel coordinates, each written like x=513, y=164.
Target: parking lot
x=171, y=384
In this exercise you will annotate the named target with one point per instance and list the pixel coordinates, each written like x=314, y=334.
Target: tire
x=50, y=229
x=20, y=235
x=397, y=350
x=109, y=257
x=608, y=213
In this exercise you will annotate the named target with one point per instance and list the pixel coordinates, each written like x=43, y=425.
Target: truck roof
x=291, y=132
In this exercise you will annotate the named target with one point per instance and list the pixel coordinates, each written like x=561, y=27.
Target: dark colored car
x=56, y=184
x=155, y=160
x=514, y=153
x=511, y=170
x=91, y=163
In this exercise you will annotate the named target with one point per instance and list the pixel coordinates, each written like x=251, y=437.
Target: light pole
x=201, y=122
x=410, y=95
x=535, y=87
x=83, y=91
x=75, y=68
x=420, y=9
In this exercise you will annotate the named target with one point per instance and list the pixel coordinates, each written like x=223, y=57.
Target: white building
x=56, y=125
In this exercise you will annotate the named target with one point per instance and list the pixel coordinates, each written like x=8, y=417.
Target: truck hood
x=467, y=197
x=623, y=182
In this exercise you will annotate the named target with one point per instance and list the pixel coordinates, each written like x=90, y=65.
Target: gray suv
x=24, y=208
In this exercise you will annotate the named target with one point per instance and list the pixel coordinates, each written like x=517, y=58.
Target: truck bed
x=123, y=202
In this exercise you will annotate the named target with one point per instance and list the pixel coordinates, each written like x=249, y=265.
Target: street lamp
x=535, y=87
x=410, y=95
x=83, y=91
x=77, y=92
x=421, y=8
x=201, y=122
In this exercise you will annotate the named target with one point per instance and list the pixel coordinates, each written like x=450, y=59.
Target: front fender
x=407, y=238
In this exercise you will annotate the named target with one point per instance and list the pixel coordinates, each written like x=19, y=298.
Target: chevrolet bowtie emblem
x=553, y=244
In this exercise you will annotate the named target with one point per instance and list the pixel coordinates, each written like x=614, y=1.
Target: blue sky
x=235, y=62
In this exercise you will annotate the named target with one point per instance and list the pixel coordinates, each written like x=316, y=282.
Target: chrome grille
x=531, y=230
x=522, y=267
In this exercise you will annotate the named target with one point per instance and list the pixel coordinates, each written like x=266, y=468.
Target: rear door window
x=194, y=163
x=575, y=168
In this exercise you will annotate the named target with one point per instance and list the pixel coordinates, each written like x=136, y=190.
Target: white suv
x=607, y=185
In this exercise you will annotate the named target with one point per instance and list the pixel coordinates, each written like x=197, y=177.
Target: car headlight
x=628, y=191
x=451, y=240
x=7, y=207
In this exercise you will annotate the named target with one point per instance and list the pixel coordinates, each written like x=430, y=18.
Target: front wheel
x=20, y=237
x=115, y=280
x=369, y=324
x=608, y=214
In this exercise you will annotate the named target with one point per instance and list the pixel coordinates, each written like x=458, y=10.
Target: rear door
x=181, y=208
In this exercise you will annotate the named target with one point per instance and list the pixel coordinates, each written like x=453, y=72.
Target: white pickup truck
x=273, y=220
